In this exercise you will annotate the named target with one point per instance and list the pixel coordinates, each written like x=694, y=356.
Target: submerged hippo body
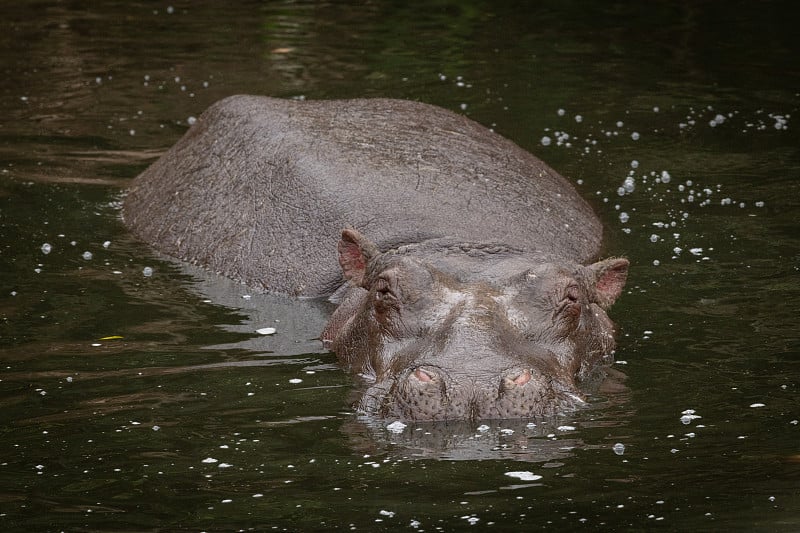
x=460, y=272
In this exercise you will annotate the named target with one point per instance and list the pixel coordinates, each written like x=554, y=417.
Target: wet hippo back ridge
x=259, y=189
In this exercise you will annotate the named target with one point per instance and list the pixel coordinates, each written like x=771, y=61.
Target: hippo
x=464, y=269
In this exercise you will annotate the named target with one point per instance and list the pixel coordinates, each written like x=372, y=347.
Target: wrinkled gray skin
x=469, y=299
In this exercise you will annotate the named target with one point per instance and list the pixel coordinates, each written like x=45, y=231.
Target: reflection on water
x=465, y=441
x=133, y=402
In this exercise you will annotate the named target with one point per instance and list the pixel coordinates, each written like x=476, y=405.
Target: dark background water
x=136, y=403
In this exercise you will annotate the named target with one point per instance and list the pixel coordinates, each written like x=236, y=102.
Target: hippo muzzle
x=433, y=393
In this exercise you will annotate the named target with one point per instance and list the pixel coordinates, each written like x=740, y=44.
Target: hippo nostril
x=523, y=378
x=520, y=378
x=422, y=375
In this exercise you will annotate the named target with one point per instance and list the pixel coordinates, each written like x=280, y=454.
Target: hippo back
x=260, y=188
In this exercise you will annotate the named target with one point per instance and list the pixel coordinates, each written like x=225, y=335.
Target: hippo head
x=512, y=340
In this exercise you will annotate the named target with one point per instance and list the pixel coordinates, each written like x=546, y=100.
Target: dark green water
x=148, y=403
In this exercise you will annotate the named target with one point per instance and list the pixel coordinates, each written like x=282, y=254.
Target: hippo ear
x=609, y=279
x=355, y=251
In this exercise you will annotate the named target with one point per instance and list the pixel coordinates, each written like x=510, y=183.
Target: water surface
x=148, y=402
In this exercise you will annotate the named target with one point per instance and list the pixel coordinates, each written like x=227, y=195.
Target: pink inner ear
x=352, y=260
x=611, y=281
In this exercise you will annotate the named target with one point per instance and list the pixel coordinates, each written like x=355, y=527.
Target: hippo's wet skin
x=462, y=290
x=437, y=342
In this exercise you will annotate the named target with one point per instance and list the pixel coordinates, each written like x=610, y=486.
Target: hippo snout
x=429, y=392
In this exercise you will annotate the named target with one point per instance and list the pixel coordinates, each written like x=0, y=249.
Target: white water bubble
x=578, y=118
x=87, y=255
x=653, y=238
x=191, y=121
x=634, y=164
x=524, y=475
x=106, y=244
x=295, y=381
x=266, y=331
x=546, y=141
x=209, y=460
x=635, y=135
x=618, y=448
x=687, y=417
x=47, y=248
x=147, y=271
x=665, y=177
x=623, y=217
x=561, y=112
x=396, y=426
x=629, y=184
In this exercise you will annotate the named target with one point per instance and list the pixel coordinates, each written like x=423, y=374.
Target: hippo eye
x=569, y=308
x=571, y=294
x=385, y=297
x=383, y=288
